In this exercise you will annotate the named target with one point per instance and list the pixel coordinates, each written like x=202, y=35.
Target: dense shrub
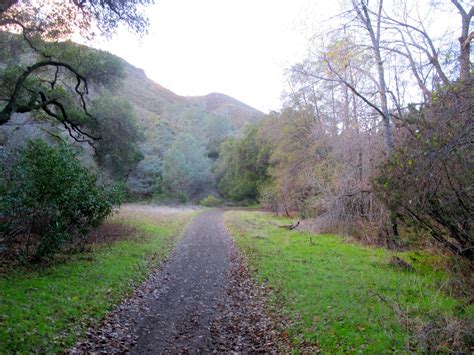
x=210, y=201
x=428, y=180
x=48, y=199
x=181, y=197
x=146, y=179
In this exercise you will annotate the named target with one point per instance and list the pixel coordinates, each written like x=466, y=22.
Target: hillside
x=164, y=119
x=153, y=102
x=223, y=105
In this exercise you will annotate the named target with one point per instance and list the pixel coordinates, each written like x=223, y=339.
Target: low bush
x=182, y=197
x=48, y=199
x=210, y=201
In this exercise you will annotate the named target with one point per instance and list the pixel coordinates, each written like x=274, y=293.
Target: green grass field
x=45, y=310
x=343, y=297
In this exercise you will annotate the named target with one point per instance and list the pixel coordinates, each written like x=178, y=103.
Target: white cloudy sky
x=237, y=47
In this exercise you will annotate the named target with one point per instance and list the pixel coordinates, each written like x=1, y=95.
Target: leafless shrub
x=428, y=180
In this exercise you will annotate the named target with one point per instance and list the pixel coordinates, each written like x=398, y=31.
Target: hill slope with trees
x=163, y=117
x=138, y=120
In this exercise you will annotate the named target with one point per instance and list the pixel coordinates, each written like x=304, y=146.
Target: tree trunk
x=364, y=17
x=465, y=41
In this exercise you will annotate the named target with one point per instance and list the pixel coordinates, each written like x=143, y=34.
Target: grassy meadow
x=44, y=310
x=342, y=297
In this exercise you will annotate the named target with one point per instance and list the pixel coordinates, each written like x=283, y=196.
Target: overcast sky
x=237, y=47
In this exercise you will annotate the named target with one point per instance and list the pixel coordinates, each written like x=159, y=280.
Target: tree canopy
x=117, y=150
x=186, y=167
x=56, y=79
x=242, y=166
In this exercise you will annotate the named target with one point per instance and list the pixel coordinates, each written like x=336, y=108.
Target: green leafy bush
x=210, y=201
x=182, y=197
x=48, y=199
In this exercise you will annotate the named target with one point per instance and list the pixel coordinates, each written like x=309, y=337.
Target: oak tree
x=51, y=82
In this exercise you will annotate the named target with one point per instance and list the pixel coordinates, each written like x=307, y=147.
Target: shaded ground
x=201, y=300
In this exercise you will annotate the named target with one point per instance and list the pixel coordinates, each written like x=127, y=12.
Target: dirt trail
x=200, y=300
x=183, y=304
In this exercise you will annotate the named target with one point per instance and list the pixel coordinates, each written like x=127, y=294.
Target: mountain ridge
x=137, y=83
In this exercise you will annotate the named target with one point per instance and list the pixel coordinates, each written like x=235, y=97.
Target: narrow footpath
x=201, y=300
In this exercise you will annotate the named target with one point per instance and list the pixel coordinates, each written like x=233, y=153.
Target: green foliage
x=218, y=128
x=99, y=67
x=60, y=20
x=186, y=167
x=181, y=197
x=347, y=298
x=53, y=82
x=146, y=178
x=164, y=116
x=242, y=166
x=46, y=310
x=117, y=150
x=48, y=198
x=210, y=201
x=13, y=46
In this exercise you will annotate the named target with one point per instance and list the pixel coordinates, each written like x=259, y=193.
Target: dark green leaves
x=48, y=198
